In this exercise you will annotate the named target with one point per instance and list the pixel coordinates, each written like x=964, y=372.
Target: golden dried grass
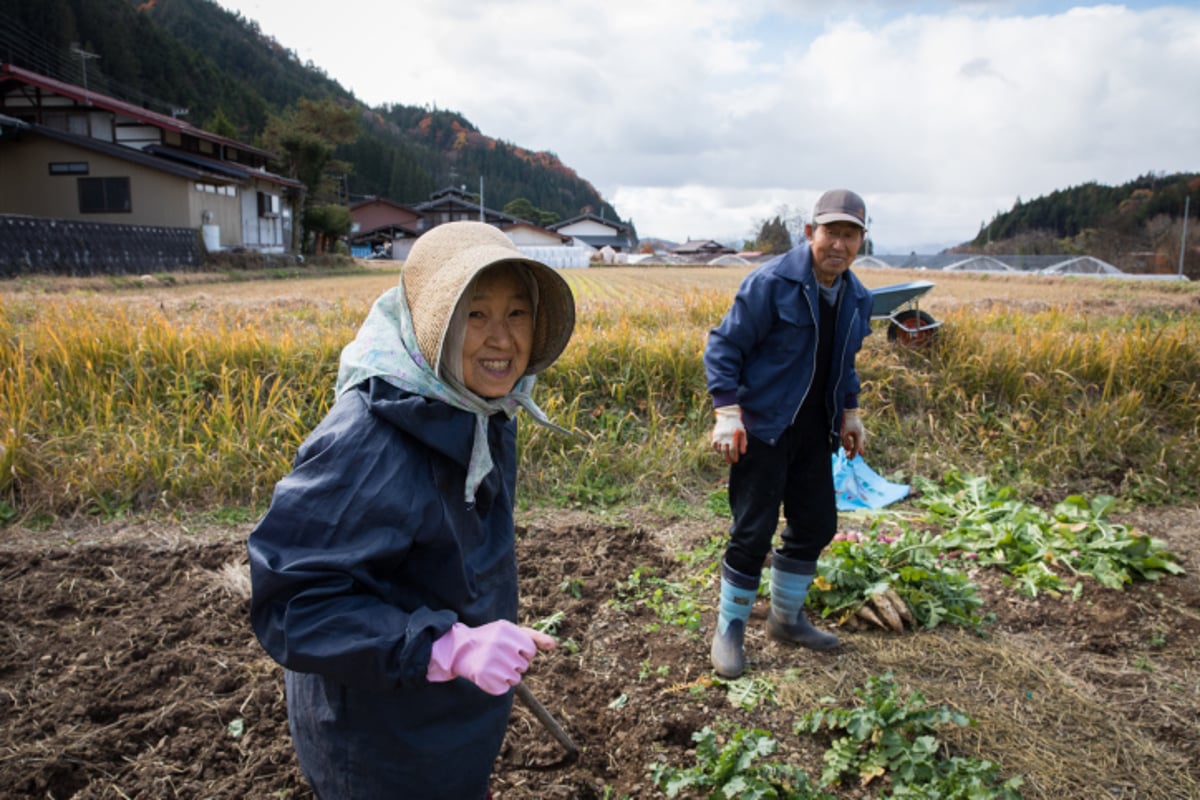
x=1037, y=715
x=122, y=399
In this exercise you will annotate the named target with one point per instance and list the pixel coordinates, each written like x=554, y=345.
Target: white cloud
x=697, y=118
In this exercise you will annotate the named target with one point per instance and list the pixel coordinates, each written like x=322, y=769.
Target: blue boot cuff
x=736, y=601
x=781, y=563
x=739, y=579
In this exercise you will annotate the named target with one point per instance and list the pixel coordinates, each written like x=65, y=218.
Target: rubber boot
x=737, y=600
x=787, y=622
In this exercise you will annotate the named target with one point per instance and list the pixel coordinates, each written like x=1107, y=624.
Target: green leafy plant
x=748, y=693
x=735, y=770
x=1036, y=549
x=707, y=555
x=887, y=735
x=549, y=625
x=855, y=567
x=868, y=573
x=673, y=603
x=648, y=670
x=717, y=503
x=572, y=586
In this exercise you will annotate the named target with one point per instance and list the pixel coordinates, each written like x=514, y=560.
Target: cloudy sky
x=697, y=118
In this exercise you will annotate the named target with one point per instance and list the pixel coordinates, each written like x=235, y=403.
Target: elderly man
x=780, y=369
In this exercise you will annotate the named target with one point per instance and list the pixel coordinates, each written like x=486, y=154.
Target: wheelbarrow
x=907, y=323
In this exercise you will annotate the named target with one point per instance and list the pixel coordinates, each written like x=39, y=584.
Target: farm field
x=128, y=669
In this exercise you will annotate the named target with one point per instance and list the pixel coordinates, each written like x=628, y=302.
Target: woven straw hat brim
x=555, y=317
x=436, y=275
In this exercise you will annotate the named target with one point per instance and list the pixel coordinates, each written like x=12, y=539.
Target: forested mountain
x=225, y=74
x=1142, y=216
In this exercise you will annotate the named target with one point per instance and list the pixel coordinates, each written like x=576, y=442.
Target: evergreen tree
x=219, y=124
x=194, y=55
x=773, y=237
x=325, y=225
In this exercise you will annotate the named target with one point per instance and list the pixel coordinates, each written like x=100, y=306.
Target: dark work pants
x=796, y=473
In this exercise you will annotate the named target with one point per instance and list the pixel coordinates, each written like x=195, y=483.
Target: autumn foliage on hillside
x=224, y=67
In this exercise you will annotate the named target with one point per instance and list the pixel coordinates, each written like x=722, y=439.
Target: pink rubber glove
x=492, y=656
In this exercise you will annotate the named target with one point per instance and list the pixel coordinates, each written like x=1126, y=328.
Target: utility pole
x=1187, y=201
x=481, y=219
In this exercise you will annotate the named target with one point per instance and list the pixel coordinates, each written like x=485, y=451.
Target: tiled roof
x=130, y=154
x=10, y=73
x=612, y=223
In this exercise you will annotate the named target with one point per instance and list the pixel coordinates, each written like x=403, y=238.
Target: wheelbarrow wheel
x=906, y=328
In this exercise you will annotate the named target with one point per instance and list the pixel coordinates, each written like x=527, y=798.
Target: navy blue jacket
x=763, y=353
x=367, y=554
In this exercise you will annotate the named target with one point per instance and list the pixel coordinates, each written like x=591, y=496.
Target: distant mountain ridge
x=1141, y=220
x=193, y=57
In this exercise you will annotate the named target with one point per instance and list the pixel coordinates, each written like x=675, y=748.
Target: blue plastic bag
x=859, y=487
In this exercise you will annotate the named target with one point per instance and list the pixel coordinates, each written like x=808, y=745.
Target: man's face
x=834, y=248
x=499, y=334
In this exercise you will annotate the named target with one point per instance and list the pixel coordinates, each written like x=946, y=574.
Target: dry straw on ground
x=1038, y=719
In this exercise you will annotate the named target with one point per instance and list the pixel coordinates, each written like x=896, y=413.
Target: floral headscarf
x=386, y=347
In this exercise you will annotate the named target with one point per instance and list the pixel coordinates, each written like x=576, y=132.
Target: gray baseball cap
x=840, y=205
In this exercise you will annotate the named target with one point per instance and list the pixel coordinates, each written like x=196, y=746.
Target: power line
x=22, y=48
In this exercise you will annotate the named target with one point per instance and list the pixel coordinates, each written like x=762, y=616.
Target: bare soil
x=128, y=670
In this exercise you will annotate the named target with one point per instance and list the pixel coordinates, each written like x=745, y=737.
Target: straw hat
x=445, y=259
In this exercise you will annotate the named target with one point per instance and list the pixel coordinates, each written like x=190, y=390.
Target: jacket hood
x=437, y=425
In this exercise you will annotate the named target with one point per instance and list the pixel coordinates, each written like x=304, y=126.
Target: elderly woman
x=384, y=572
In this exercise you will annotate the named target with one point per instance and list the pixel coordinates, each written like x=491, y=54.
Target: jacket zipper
x=841, y=372
x=816, y=343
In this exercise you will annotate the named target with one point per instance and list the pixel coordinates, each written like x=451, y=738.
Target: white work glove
x=729, y=434
x=854, y=437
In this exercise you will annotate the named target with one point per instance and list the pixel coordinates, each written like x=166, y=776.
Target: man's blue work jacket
x=763, y=353
x=367, y=554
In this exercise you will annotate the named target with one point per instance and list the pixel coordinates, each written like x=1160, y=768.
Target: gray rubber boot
x=737, y=600
x=787, y=622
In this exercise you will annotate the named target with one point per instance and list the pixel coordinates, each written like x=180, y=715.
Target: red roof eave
x=79, y=94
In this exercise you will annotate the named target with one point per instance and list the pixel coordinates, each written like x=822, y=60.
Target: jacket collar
x=796, y=265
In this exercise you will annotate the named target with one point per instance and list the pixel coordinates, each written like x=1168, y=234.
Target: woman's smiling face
x=499, y=333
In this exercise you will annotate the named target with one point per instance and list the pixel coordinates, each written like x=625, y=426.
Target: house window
x=68, y=168
x=268, y=204
x=222, y=189
x=104, y=196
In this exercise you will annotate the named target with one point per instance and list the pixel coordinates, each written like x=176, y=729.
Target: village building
x=68, y=154
x=550, y=247
x=383, y=225
x=377, y=223
x=452, y=205
x=597, y=232
x=702, y=249
x=84, y=172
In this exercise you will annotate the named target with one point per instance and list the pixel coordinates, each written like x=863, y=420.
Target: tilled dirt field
x=128, y=670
